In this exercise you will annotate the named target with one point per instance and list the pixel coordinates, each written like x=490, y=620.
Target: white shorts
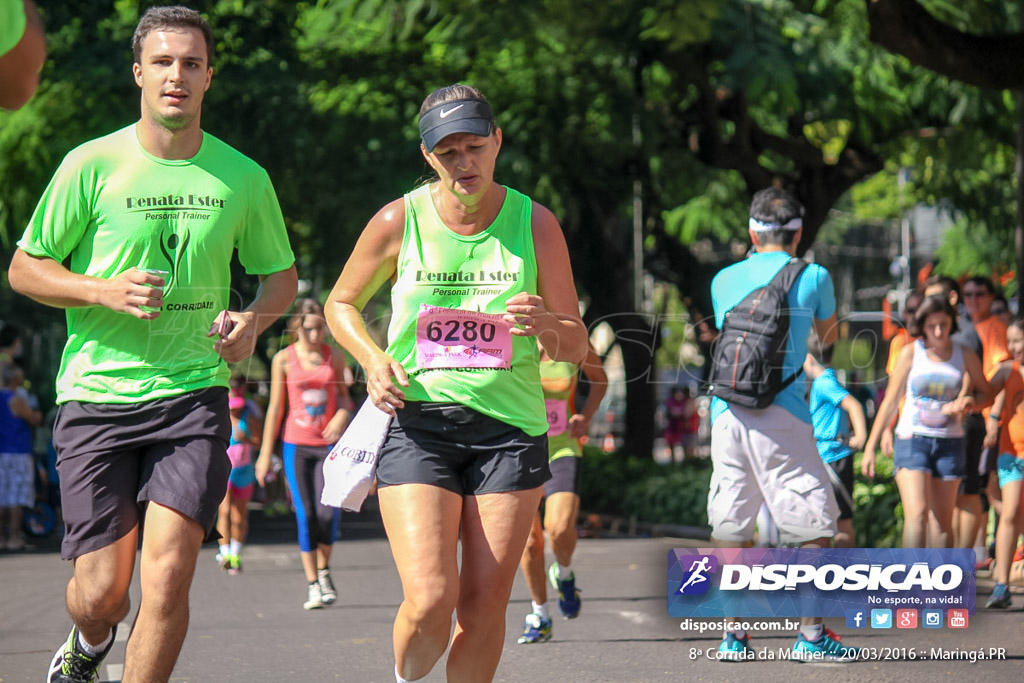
x=768, y=456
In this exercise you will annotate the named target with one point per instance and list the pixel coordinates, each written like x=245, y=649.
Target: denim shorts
x=1010, y=468
x=942, y=458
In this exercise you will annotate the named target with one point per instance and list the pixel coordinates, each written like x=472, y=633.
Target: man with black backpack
x=762, y=444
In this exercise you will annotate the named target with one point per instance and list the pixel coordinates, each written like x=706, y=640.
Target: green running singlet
x=444, y=281
x=558, y=380
x=112, y=206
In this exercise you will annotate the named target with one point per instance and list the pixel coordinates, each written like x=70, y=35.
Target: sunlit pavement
x=252, y=627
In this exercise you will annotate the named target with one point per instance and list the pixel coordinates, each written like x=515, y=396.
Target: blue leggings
x=318, y=523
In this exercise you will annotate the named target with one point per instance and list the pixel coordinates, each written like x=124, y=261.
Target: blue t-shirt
x=15, y=433
x=829, y=420
x=812, y=297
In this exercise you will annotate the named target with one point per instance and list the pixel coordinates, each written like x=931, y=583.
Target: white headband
x=758, y=226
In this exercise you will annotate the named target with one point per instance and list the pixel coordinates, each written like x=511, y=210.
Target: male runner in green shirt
x=22, y=52
x=147, y=219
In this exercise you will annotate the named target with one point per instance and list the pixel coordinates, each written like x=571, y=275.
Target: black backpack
x=747, y=357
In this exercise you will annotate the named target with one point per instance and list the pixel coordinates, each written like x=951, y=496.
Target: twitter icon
x=881, y=618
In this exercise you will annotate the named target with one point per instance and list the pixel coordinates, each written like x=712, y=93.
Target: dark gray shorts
x=565, y=475
x=844, y=468
x=113, y=458
x=462, y=450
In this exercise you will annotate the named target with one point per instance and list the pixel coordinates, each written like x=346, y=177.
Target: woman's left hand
x=525, y=311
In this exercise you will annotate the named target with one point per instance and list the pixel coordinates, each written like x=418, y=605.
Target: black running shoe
x=71, y=665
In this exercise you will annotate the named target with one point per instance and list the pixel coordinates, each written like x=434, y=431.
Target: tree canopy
x=682, y=108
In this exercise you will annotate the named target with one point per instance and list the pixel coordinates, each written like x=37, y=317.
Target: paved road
x=252, y=627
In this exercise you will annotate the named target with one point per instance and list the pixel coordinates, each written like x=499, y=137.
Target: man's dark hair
x=175, y=18
x=982, y=281
x=775, y=206
x=936, y=303
x=948, y=284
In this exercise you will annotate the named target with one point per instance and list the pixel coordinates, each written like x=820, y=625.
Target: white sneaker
x=327, y=593
x=315, y=599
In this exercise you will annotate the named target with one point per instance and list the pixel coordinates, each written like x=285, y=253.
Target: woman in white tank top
x=938, y=381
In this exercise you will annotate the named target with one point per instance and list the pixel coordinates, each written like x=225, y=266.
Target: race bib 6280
x=452, y=338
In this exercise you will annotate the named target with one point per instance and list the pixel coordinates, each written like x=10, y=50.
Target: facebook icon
x=855, y=618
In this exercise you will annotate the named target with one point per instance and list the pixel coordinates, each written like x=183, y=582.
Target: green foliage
x=678, y=495
x=976, y=250
x=614, y=484
x=852, y=355
x=715, y=212
x=701, y=101
x=877, y=511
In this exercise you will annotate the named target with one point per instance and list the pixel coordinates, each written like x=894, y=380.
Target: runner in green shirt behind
x=566, y=428
x=147, y=219
x=22, y=52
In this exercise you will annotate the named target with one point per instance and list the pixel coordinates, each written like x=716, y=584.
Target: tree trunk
x=906, y=27
x=637, y=336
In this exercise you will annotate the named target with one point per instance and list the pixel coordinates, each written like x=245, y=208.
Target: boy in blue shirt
x=833, y=411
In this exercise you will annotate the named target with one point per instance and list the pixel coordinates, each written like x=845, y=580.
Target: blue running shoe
x=1000, y=598
x=733, y=649
x=568, y=595
x=824, y=649
x=536, y=629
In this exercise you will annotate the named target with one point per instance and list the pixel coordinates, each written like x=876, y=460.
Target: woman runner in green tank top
x=477, y=271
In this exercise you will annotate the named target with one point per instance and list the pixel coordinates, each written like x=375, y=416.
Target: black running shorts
x=565, y=475
x=113, y=458
x=460, y=449
x=974, y=438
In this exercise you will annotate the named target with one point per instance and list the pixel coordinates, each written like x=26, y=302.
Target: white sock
x=93, y=650
x=236, y=547
x=738, y=633
x=541, y=610
x=813, y=632
x=980, y=553
x=224, y=550
x=564, y=572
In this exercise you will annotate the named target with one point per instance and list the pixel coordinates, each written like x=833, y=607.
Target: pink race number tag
x=452, y=338
x=558, y=416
